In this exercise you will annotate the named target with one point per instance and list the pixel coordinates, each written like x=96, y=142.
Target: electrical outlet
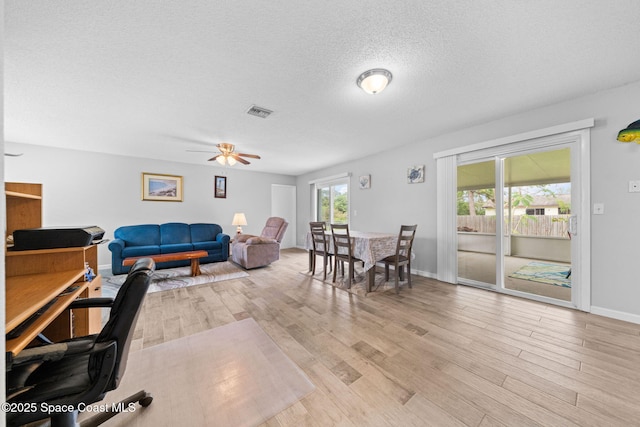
x=634, y=186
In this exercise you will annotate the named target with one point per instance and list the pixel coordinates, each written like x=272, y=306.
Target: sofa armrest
x=223, y=238
x=242, y=238
x=116, y=246
x=256, y=240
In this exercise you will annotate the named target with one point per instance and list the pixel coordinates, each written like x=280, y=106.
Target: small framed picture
x=365, y=182
x=161, y=188
x=221, y=187
x=415, y=174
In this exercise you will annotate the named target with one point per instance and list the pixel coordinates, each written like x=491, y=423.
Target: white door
x=283, y=204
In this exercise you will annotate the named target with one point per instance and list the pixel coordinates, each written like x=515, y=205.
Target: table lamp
x=239, y=219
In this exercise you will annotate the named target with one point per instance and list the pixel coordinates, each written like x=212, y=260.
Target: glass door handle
x=573, y=225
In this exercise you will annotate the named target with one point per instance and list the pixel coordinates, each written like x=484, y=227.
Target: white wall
x=87, y=188
x=82, y=188
x=615, y=246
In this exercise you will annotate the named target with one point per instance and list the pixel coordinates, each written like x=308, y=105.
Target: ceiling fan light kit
x=229, y=156
x=374, y=81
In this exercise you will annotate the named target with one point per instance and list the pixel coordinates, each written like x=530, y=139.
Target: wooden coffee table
x=194, y=256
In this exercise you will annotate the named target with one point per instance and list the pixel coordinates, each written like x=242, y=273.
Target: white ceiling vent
x=254, y=110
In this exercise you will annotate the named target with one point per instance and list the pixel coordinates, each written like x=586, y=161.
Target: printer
x=56, y=237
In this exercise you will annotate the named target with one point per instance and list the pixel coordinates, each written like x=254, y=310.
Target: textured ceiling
x=155, y=78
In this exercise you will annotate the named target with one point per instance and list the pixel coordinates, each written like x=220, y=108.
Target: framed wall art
x=365, y=182
x=161, y=188
x=415, y=174
x=221, y=187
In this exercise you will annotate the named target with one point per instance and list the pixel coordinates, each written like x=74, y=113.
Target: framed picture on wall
x=415, y=174
x=161, y=188
x=221, y=187
x=365, y=182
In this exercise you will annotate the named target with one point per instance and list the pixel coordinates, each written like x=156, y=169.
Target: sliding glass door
x=476, y=229
x=537, y=214
x=517, y=210
x=332, y=202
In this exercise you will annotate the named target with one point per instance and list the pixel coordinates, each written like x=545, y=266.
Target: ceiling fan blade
x=13, y=155
x=214, y=157
x=240, y=159
x=201, y=151
x=251, y=156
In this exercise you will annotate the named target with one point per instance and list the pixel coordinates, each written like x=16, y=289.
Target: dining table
x=368, y=246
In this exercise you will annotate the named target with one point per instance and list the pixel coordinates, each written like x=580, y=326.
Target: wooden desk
x=25, y=294
x=194, y=256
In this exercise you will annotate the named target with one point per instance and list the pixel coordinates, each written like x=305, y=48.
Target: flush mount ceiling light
x=374, y=81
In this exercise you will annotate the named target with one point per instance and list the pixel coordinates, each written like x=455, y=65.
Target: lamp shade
x=374, y=81
x=239, y=219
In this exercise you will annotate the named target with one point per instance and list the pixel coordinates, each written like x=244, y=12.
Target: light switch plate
x=634, y=186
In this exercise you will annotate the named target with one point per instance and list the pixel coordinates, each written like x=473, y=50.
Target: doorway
x=536, y=213
x=514, y=212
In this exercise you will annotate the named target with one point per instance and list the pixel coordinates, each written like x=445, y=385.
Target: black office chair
x=80, y=371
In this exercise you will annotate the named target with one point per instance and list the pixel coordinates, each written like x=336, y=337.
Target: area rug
x=233, y=375
x=543, y=272
x=180, y=277
x=359, y=285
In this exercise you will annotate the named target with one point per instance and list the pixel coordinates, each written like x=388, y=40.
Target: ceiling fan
x=229, y=155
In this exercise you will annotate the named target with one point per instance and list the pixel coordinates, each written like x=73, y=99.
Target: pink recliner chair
x=257, y=251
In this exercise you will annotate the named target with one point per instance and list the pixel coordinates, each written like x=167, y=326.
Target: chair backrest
x=341, y=240
x=124, y=314
x=275, y=228
x=405, y=240
x=319, y=237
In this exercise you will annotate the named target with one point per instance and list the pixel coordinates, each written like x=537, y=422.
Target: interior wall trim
x=615, y=314
x=329, y=179
x=538, y=133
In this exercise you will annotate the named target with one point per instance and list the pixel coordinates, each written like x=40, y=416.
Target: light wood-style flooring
x=435, y=355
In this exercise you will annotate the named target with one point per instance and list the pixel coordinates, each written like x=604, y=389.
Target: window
x=332, y=201
x=536, y=211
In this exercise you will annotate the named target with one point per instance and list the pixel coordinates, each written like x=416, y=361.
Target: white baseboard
x=614, y=314
x=424, y=273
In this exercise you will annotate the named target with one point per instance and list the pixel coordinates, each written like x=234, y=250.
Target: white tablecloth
x=368, y=246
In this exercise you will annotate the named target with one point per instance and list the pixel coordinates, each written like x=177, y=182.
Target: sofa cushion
x=204, y=232
x=207, y=246
x=139, y=235
x=176, y=247
x=174, y=232
x=130, y=251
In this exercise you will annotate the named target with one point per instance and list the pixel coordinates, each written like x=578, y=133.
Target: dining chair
x=321, y=247
x=343, y=251
x=402, y=256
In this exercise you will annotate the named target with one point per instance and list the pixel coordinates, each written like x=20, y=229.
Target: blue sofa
x=154, y=239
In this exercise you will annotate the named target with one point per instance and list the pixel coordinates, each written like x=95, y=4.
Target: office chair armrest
x=54, y=352
x=43, y=353
x=91, y=302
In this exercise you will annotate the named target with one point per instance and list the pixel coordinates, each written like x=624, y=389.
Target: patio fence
x=538, y=225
